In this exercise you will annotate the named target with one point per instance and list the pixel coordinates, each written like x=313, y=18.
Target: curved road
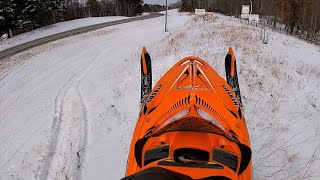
x=22, y=47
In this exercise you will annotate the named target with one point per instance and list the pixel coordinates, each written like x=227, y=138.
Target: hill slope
x=68, y=108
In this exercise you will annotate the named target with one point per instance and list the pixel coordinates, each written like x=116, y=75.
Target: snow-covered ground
x=55, y=29
x=69, y=107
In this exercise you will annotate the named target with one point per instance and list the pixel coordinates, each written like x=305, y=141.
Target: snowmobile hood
x=191, y=88
x=191, y=116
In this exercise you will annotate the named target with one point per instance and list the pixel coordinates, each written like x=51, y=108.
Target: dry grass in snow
x=280, y=90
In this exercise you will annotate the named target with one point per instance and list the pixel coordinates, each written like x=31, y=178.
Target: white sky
x=161, y=2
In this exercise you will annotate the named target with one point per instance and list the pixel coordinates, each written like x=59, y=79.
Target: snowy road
x=58, y=120
x=68, y=108
x=57, y=31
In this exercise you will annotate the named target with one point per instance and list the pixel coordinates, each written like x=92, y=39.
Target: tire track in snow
x=84, y=146
x=83, y=155
x=4, y=73
x=55, y=129
x=16, y=71
x=79, y=166
x=10, y=71
x=19, y=64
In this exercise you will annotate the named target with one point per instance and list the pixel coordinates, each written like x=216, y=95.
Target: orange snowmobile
x=191, y=125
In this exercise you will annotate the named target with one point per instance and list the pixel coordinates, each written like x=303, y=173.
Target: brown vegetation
x=297, y=17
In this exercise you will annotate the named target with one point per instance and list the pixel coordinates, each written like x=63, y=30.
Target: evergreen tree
x=94, y=8
x=6, y=16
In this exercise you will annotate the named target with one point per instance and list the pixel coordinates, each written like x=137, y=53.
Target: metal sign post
x=166, y=23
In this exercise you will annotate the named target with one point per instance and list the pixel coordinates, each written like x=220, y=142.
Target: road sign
x=245, y=9
x=200, y=11
x=244, y=16
x=254, y=18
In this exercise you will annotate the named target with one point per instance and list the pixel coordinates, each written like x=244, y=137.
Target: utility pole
x=87, y=7
x=166, y=23
x=250, y=6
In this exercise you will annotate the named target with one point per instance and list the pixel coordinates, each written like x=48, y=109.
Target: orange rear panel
x=192, y=88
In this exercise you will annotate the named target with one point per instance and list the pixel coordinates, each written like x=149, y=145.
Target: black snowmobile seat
x=157, y=173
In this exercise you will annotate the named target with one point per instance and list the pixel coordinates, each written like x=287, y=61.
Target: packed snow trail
x=68, y=108
x=57, y=118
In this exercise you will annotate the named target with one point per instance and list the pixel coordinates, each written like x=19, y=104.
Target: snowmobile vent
x=155, y=154
x=225, y=158
x=206, y=105
x=181, y=103
x=192, y=165
x=188, y=157
x=192, y=154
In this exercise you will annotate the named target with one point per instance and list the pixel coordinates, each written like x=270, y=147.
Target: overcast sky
x=161, y=2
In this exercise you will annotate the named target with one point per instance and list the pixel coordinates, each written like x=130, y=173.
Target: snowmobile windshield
x=182, y=122
x=196, y=124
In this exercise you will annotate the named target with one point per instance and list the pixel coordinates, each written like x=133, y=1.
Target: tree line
x=158, y=8
x=297, y=17
x=17, y=16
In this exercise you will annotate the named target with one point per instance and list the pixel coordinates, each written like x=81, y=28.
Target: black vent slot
x=191, y=154
x=145, y=109
x=233, y=114
x=188, y=157
x=155, y=154
x=234, y=135
x=178, y=104
x=225, y=158
x=206, y=105
x=151, y=110
x=239, y=112
x=191, y=165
